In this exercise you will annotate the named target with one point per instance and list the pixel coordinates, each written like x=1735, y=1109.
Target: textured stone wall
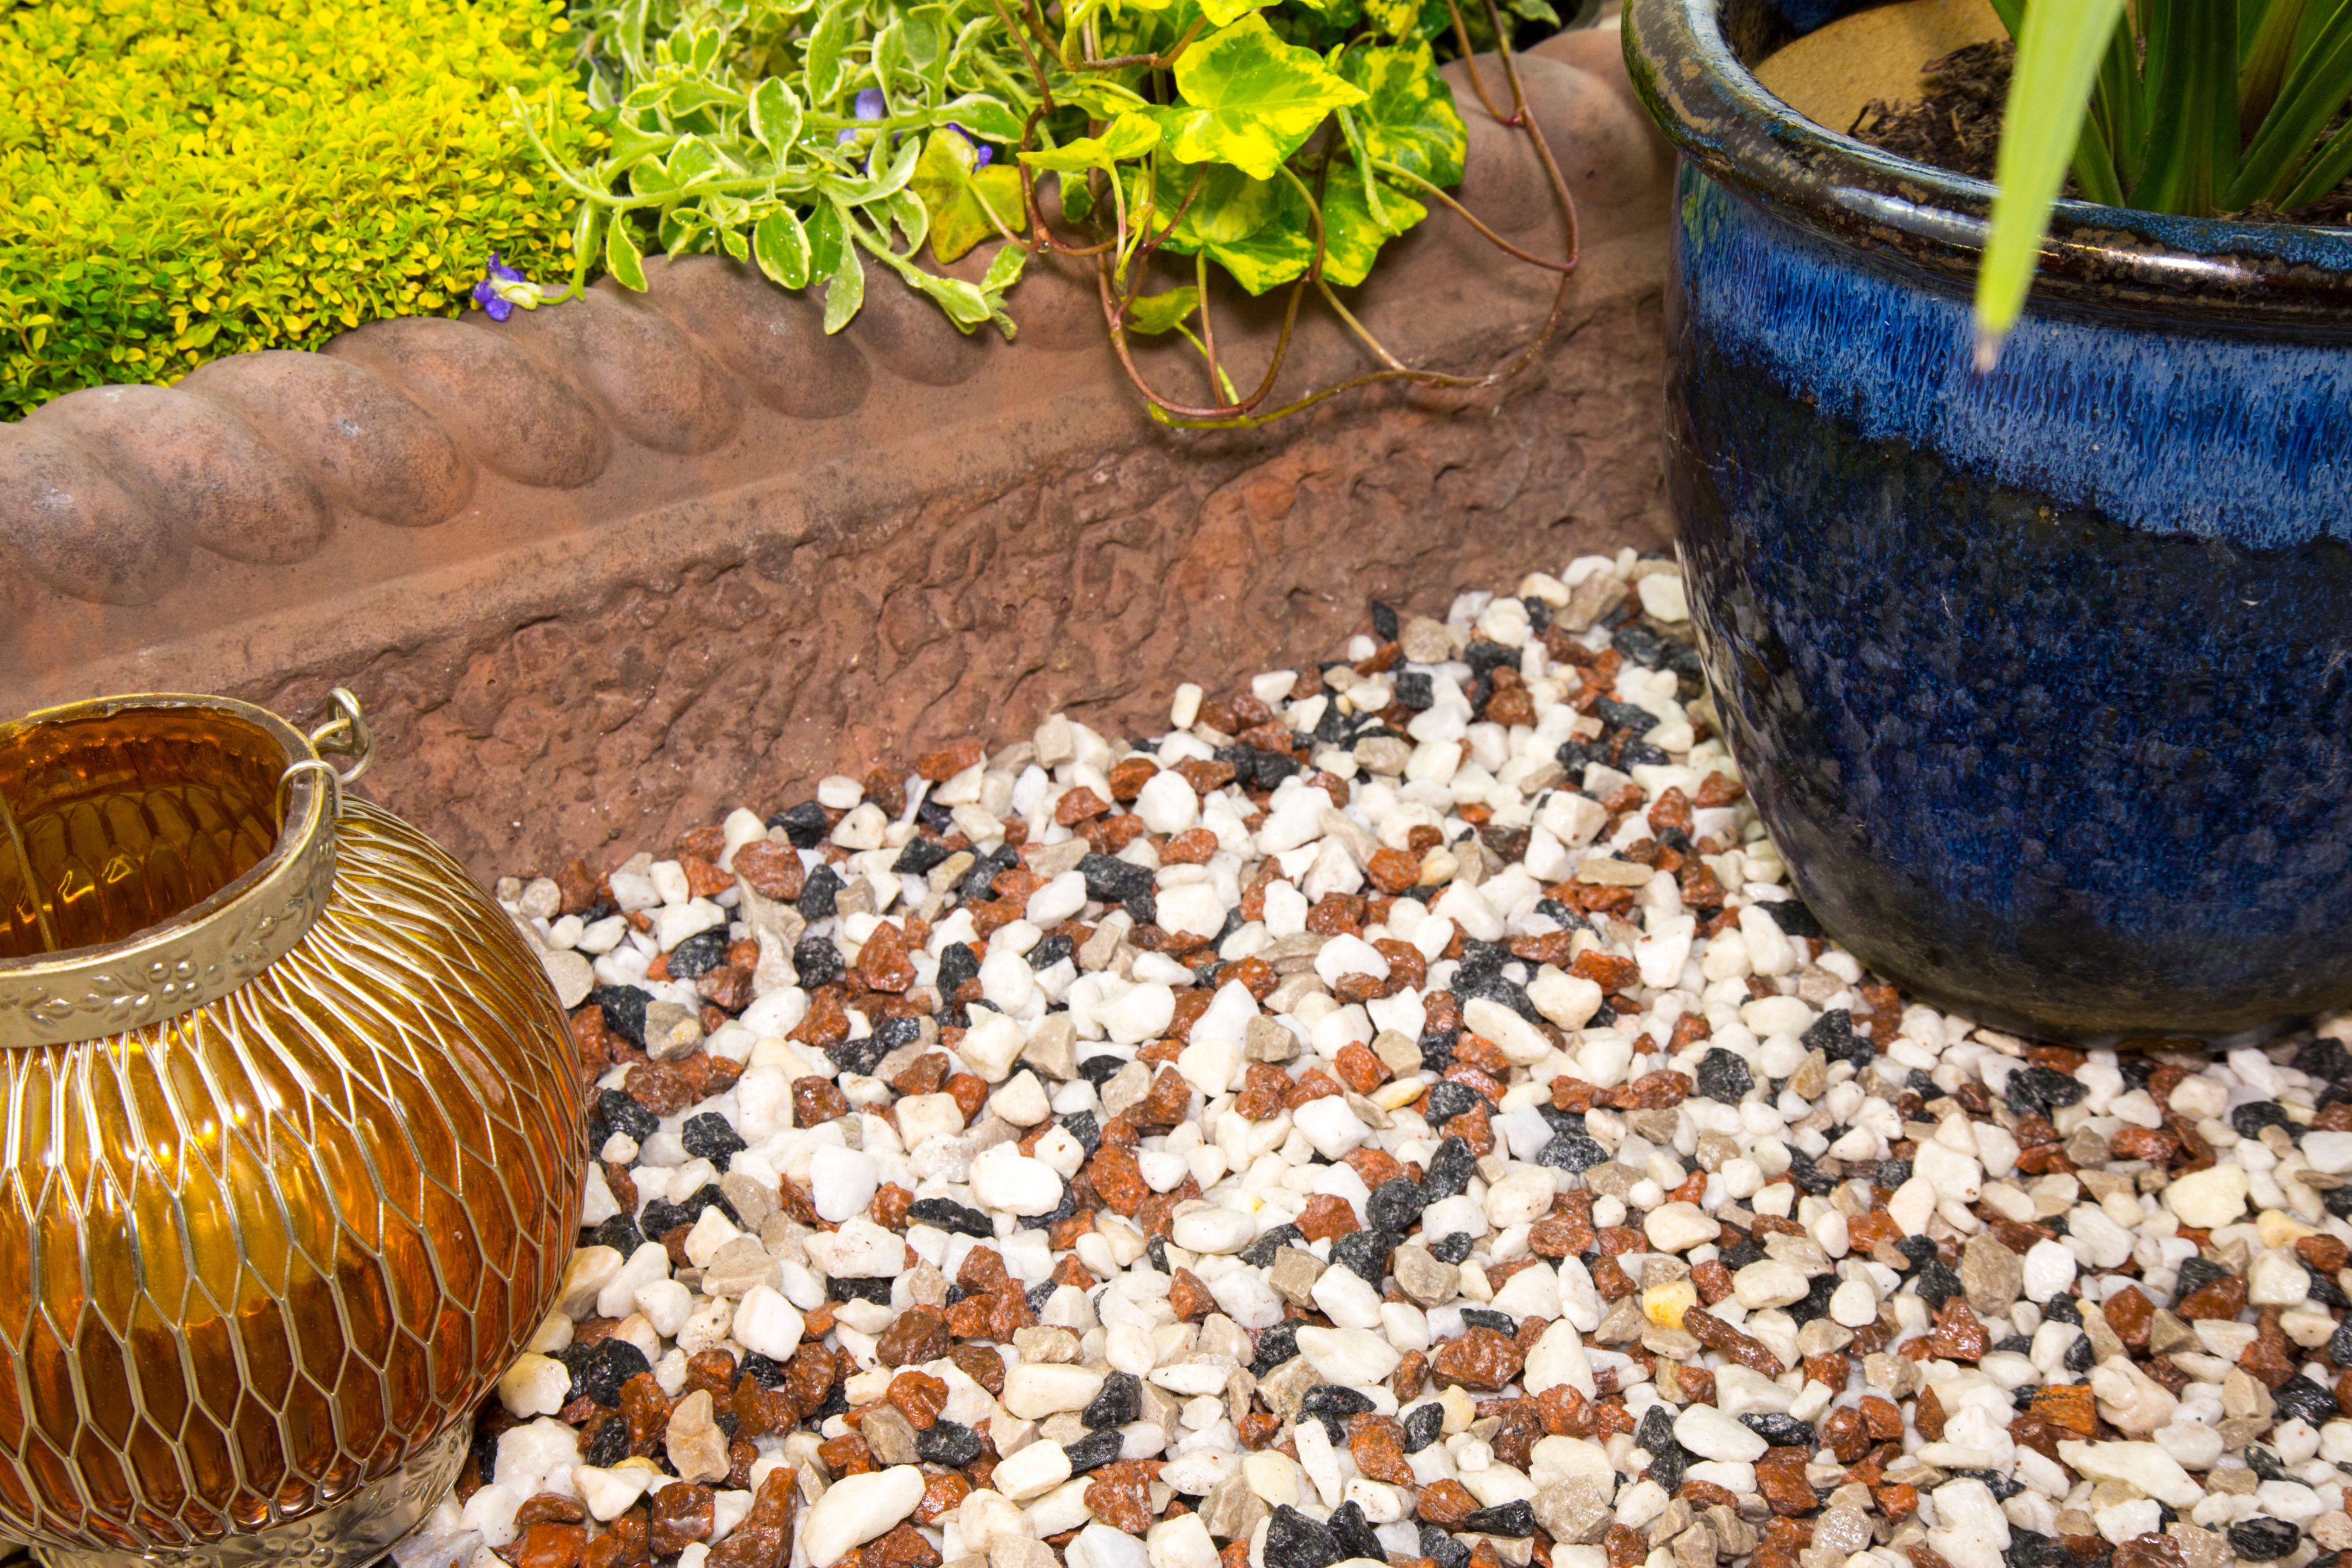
x=696, y=554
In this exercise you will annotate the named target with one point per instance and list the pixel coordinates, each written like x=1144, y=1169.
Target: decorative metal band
x=207, y=951
x=358, y=1530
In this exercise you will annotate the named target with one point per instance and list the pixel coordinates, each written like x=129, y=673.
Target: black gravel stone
x=1780, y=1431
x=2339, y=1348
x=1333, y=1404
x=805, y=824
x=1794, y=918
x=2337, y=1201
x=623, y=1008
x=1511, y=1519
x=1668, y=1460
x=1058, y=1213
x=1413, y=689
x=622, y=1115
x=1354, y=1532
x=699, y=955
x=1625, y=717
x=1807, y=1174
x=598, y=1370
x=1275, y=1346
x=984, y=870
x=2262, y=1538
x=947, y=1214
x=765, y=1371
x=708, y=1136
x=1111, y=880
x=661, y=1216
x=1571, y=1152
x=919, y=856
x=1833, y=1034
x=1724, y=1078
x=1395, y=1204
x=2299, y=1395
x=620, y=1233
x=2077, y=1359
x=1442, y=1549
x=1488, y=1318
x=1093, y=1451
x=2325, y=1059
x=1294, y=1541
x=818, y=961
x=1082, y=1126
x=1424, y=1425
x=2196, y=1273
x=1918, y=1248
x=875, y=1288
x=1451, y=1248
x=2031, y=1549
x=1891, y=1174
x=1448, y=1100
x=1936, y=1284
x=1437, y=1049
x=1366, y=1253
x=1051, y=951
x=1038, y=1295
x=957, y=964
x=1100, y=1068
x=1450, y=1170
x=1120, y=1401
x=1259, y=1254
x=2035, y=1090
x=1385, y=626
x=2249, y=1119
x=1815, y=1301
x=1742, y=1252
x=607, y=1446
x=862, y=1055
x=2266, y=1465
x=948, y=1443
x=2062, y=1309
x=817, y=894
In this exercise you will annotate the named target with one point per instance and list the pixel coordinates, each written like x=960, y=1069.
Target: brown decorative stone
x=364, y=445
x=772, y=339
x=1480, y=1358
x=509, y=412
x=917, y=1335
x=644, y=376
x=72, y=526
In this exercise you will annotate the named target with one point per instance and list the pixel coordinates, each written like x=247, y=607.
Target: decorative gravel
x=1399, y=1113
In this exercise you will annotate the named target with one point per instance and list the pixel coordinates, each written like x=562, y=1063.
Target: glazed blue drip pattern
x=2225, y=437
x=2043, y=682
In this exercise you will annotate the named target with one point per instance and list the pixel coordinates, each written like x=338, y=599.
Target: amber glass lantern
x=293, y=1149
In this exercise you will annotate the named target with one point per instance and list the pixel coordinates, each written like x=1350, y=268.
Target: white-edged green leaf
x=845, y=290
x=623, y=259
x=1005, y=269
x=781, y=246
x=827, y=40
x=775, y=117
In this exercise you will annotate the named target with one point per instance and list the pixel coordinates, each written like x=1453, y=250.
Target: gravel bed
x=1399, y=1113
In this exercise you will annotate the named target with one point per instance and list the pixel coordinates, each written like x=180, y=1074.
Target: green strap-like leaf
x=1250, y=100
x=2192, y=145
x=2059, y=52
x=2309, y=97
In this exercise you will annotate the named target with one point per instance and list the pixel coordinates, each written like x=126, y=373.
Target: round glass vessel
x=293, y=1147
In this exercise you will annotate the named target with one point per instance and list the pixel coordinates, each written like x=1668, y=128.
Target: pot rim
x=208, y=950
x=1727, y=125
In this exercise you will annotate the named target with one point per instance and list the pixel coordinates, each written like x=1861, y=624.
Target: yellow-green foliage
x=185, y=178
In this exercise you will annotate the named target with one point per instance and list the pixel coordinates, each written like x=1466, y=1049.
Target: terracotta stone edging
x=651, y=554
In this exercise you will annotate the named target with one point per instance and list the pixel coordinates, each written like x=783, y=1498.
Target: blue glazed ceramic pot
x=2041, y=680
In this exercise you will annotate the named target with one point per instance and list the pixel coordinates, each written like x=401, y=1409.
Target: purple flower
x=871, y=105
x=982, y=155
x=487, y=293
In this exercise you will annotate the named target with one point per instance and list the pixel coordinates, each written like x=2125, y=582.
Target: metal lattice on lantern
x=293, y=1144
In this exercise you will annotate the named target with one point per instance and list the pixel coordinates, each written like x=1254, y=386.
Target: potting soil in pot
x=1401, y=1113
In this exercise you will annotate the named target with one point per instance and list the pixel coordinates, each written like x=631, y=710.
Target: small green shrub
x=185, y=178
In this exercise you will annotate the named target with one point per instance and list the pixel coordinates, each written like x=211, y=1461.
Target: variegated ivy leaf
x=1408, y=117
x=1221, y=12
x=961, y=197
x=1128, y=136
x=1157, y=313
x=1353, y=235
x=1250, y=100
